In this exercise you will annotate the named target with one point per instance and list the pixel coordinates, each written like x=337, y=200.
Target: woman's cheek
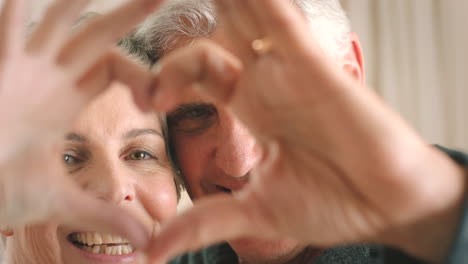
x=159, y=196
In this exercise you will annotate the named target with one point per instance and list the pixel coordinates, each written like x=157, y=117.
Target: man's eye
x=193, y=118
x=140, y=155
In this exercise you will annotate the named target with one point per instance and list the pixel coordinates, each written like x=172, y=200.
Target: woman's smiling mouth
x=98, y=243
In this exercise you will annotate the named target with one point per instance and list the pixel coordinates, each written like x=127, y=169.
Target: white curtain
x=416, y=55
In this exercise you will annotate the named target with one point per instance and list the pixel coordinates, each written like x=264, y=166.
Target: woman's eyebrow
x=141, y=132
x=75, y=137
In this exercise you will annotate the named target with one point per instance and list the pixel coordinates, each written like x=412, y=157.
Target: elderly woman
x=118, y=154
x=114, y=152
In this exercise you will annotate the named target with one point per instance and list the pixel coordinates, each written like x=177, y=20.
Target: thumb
x=212, y=220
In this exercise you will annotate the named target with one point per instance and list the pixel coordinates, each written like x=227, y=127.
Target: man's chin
x=265, y=251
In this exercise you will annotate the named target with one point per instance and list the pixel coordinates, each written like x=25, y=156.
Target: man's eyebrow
x=141, y=132
x=75, y=137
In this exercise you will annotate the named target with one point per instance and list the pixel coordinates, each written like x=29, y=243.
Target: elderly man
x=322, y=158
x=215, y=152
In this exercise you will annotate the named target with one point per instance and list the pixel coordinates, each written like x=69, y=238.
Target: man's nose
x=110, y=183
x=237, y=151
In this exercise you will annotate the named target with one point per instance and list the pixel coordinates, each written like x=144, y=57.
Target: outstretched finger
x=211, y=221
x=119, y=67
x=11, y=25
x=93, y=40
x=79, y=210
x=205, y=65
x=56, y=25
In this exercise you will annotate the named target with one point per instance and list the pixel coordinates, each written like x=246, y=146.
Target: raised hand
x=44, y=82
x=339, y=165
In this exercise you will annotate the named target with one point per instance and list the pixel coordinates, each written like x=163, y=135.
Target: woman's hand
x=339, y=165
x=44, y=82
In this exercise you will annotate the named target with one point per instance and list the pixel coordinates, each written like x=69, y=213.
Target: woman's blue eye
x=140, y=155
x=69, y=159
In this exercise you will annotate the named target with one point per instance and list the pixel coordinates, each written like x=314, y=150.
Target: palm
x=302, y=129
x=35, y=84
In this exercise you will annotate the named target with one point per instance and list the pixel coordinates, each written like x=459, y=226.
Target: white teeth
x=107, y=238
x=96, y=249
x=97, y=239
x=108, y=250
x=125, y=250
x=89, y=239
x=102, y=243
x=117, y=239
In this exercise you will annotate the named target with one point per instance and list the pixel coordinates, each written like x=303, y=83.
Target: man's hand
x=339, y=166
x=44, y=82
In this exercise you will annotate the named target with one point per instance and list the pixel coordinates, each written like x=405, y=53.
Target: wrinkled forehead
x=113, y=113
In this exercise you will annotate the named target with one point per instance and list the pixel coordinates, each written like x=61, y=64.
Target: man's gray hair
x=179, y=22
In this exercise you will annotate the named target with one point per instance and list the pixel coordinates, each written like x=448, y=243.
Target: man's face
x=216, y=154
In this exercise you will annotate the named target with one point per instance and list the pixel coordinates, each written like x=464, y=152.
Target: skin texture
x=44, y=83
x=215, y=150
x=337, y=165
x=102, y=160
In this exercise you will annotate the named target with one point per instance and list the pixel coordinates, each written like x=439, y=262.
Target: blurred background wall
x=417, y=57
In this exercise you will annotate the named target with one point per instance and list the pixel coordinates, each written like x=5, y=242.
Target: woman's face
x=118, y=154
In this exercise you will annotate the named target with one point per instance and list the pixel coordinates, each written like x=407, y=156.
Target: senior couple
x=286, y=154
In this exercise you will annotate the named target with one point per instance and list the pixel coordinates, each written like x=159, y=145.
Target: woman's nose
x=111, y=183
